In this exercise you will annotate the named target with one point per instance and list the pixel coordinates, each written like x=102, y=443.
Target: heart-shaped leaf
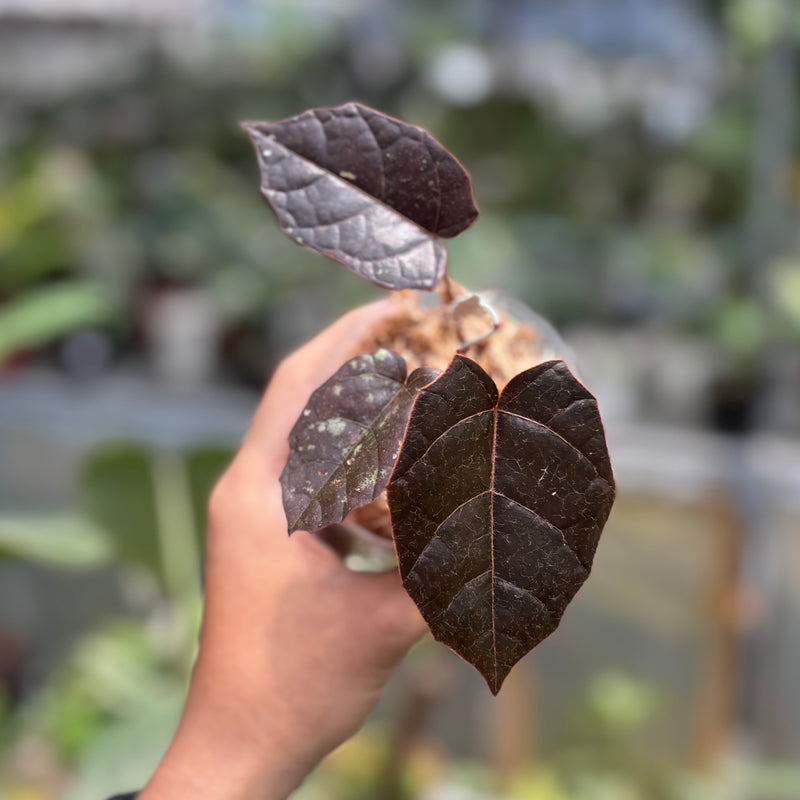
x=497, y=505
x=345, y=444
x=368, y=190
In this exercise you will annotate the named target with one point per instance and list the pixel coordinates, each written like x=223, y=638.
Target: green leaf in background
x=63, y=541
x=122, y=672
x=786, y=292
x=41, y=315
x=740, y=328
x=776, y=781
x=116, y=491
x=153, y=504
x=755, y=23
x=24, y=204
x=621, y=703
x=127, y=753
x=204, y=466
x=112, y=708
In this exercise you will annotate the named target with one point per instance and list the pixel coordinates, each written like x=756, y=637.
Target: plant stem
x=180, y=557
x=445, y=288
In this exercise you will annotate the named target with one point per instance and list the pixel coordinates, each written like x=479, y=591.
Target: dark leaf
x=366, y=189
x=345, y=444
x=497, y=506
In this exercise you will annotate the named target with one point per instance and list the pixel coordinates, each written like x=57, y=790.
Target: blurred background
x=637, y=165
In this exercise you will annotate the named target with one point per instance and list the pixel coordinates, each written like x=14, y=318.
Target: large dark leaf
x=497, y=505
x=366, y=189
x=345, y=444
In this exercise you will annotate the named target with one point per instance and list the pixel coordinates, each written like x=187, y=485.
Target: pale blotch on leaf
x=336, y=426
x=356, y=419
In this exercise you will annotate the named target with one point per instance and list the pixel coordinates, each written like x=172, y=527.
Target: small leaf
x=497, y=505
x=345, y=444
x=368, y=190
x=41, y=315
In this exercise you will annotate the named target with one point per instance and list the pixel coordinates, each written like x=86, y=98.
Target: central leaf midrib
x=491, y=541
x=493, y=495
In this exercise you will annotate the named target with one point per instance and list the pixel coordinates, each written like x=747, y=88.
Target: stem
x=180, y=557
x=448, y=298
x=445, y=288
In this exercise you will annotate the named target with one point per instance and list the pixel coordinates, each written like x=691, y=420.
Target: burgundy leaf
x=368, y=190
x=345, y=444
x=497, y=505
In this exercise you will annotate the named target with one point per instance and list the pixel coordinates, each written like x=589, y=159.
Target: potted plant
x=489, y=457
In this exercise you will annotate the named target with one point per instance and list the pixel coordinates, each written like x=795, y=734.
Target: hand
x=295, y=648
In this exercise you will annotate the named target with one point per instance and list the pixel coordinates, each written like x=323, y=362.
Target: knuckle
x=217, y=501
x=222, y=499
x=237, y=495
x=286, y=370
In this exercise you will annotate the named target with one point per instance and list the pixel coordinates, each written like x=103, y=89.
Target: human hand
x=294, y=648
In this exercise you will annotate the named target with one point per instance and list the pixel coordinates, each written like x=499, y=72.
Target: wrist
x=193, y=769
x=214, y=756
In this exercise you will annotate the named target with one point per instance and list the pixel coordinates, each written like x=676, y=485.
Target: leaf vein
x=569, y=444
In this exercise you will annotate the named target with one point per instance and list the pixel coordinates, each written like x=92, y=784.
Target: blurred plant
x=355, y=771
x=740, y=327
x=617, y=708
x=785, y=291
x=47, y=213
x=59, y=541
x=105, y=188
x=119, y=672
x=619, y=705
x=39, y=316
x=109, y=709
x=757, y=23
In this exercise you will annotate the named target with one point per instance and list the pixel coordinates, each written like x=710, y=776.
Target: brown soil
x=428, y=333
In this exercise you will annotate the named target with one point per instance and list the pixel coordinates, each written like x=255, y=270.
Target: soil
x=428, y=333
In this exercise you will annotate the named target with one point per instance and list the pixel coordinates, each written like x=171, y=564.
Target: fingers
x=300, y=374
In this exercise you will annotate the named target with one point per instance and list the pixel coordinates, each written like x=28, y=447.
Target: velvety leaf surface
x=497, y=505
x=366, y=189
x=345, y=444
